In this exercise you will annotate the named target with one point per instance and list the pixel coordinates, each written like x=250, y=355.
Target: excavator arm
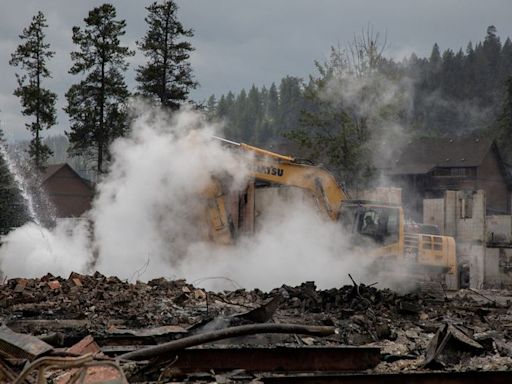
x=285, y=170
x=276, y=169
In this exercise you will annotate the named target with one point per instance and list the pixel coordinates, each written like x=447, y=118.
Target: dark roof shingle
x=422, y=155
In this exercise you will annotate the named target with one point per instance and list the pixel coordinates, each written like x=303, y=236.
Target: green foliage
x=334, y=128
x=97, y=104
x=291, y=103
x=504, y=123
x=167, y=75
x=272, y=110
x=454, y=92
x=356, y=103
x=211, y=105
x=457, y=93
x=12, y=205
x=31, y=56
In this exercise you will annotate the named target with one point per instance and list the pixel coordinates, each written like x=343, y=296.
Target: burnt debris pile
x=169, y=329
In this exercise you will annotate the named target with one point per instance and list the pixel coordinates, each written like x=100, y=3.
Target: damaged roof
x=420, y=156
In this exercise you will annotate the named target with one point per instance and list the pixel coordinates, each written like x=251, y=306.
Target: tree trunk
x=101, y=133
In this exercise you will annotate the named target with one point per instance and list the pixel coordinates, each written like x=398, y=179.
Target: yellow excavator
x=378, y=228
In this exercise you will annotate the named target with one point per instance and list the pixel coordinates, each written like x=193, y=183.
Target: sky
x=243, y=42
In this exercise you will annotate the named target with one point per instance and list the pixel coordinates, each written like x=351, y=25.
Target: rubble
x=113, y=323
x=450, y=345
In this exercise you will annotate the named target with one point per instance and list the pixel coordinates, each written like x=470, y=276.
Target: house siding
x=70, y=195
x=444, y=183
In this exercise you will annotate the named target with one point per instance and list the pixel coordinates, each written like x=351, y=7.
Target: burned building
x=427, y=167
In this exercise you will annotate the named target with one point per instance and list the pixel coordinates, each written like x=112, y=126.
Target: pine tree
x=290, y=104
x=271, y=111
x=221, y=109
x=226, y=110
x=434, y=67
x=435, y=57
x=264, y=101
x=167, y=76
x=12, y=205
x=273, y=102
x=506, y=60
x=230, y=103
x=492, y=47
x=254, y=110
x=504, y=123
x=240, y=119
x=32, y=56
x=469, y=74
x=211, y=107
x=327, y=133
x=96, y=105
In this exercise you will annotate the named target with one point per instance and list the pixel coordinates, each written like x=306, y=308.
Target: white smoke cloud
x=148, y=206
x=33, y=251
x=382, y=102
x=147, y=220
x=293, y=244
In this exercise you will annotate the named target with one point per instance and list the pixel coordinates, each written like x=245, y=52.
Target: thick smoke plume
x=380, y=104
x=149, y=207
x=146, y=221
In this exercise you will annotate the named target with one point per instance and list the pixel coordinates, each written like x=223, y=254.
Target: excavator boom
x=286, y=170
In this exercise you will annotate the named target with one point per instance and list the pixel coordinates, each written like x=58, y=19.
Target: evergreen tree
x=435, y=56
x=32, y=56
x=455, y=92
x=492, y=47
x=290, y=104
x=469, y=76
x=328, y=133
x=264, y=101
x=96, y=105
x=167, y=76
x=227, y=111
x=434, y=67
x=211, y=105
x=506, y=60
x=240, y=118
x=254, y=109
x=504, y=123
x=221, y=109
x=448, y=75
x=273, y=104
x=12, y=205
x=230, y=103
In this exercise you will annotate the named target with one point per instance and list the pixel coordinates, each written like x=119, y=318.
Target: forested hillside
x=451, y=92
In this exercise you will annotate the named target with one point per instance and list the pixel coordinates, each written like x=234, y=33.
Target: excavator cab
x=371, y=223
